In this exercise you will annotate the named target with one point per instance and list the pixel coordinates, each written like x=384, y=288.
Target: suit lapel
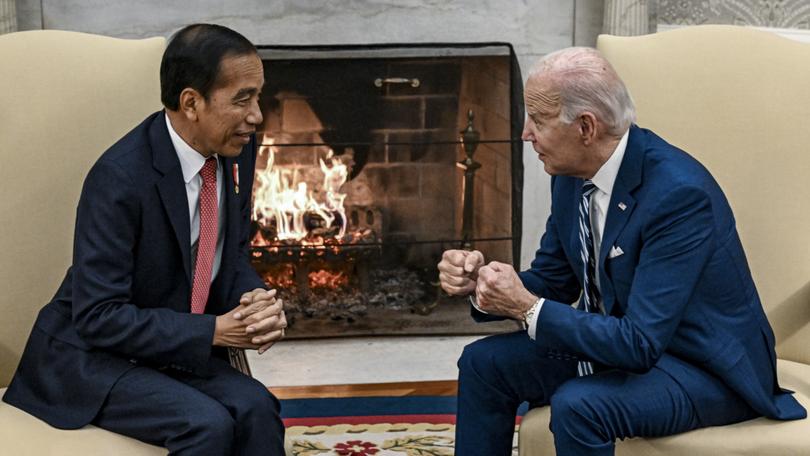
x=574, y=243
x=621, y=206
x=230, y=248
x=172, y=187
x=231, y=209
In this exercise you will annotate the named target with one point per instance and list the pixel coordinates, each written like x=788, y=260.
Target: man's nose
x=527, y=133
x=255, y=115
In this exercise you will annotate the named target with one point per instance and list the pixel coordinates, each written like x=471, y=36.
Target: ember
x=326, y=279
x=279, y=275
x=397, y=288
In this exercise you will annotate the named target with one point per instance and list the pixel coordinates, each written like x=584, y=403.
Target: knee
x=491, y=355
x=256, y=403
x=476, y=358
x=212, y=423
x=573, y=411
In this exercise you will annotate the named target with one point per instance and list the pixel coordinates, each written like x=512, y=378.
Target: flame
x=281, y=200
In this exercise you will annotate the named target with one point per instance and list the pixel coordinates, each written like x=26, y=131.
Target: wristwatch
x=528, y=315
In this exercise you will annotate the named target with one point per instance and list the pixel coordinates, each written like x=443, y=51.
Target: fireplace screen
x=364, y=178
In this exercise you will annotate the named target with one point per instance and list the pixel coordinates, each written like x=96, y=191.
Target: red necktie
x=207, y=243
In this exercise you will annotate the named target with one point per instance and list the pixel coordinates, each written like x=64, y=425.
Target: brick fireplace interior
x=359, y=189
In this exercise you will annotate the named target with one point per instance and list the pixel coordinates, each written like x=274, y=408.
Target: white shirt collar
x=606, y=176
x=191, y=161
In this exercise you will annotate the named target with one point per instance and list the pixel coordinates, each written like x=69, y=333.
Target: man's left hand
x=254, y=301
x=499, y=291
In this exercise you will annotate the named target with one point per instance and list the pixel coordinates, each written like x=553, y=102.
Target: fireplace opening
x=372, y=161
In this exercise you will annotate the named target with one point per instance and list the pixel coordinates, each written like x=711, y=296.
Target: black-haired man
x=135, y=340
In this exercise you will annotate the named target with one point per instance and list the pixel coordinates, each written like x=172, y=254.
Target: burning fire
x=286, y=205
x=302, y=237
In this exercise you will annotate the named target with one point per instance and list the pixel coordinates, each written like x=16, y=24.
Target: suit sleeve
x=107, y=232
x=677, y=244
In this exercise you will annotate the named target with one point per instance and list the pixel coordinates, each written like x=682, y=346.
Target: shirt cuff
x=474, y=303
x=532, y=323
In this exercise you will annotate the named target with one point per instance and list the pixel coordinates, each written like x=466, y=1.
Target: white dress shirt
x=192, y=162
x=600, y=200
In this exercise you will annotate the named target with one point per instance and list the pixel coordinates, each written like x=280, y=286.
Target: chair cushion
x=24, y=435
x=759, y=437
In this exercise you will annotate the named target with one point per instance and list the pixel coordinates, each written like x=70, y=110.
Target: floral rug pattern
x=403, y=439
x=383, y=439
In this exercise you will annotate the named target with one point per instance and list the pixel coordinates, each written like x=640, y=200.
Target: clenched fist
x=499, y=291
x=458, y=271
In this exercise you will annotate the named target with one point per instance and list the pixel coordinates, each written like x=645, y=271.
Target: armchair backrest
x=738, y=99
x=65, y=98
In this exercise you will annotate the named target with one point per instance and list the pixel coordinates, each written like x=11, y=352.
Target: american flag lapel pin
x=235, y=169
x=622, y=206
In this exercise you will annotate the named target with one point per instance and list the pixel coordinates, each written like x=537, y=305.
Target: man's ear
x=587, y=127
x=190, y=102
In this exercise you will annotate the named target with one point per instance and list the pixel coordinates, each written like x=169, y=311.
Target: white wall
x=533, y=27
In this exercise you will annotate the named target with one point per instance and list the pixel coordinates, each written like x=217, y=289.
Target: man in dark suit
x=136, y=338
x=669, y=334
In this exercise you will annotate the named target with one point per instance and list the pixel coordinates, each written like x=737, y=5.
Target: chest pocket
x=620, y=272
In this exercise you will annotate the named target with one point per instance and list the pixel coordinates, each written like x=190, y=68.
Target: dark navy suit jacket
x=126, y=299
x=680, y=294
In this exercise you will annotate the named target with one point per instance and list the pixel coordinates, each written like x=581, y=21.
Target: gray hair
x=587, y=82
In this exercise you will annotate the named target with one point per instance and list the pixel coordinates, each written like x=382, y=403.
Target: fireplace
x=372, y=161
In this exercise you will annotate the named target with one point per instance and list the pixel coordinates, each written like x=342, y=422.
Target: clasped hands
x=256, y=323
x=497, y=287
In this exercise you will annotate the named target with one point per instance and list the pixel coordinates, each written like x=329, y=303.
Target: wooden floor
x=430, y=388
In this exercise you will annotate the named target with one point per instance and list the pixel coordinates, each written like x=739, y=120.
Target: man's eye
x=242, y=102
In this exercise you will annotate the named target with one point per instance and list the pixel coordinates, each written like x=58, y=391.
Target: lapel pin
x=235, y=169
x=622, y=206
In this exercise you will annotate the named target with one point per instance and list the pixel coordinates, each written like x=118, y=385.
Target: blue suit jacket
x=126, y=299
x=681, y=293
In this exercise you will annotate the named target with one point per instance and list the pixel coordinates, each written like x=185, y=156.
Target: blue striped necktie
x=590, y=294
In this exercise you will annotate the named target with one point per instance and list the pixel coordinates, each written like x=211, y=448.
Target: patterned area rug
x=383, y=439
x=378, y=426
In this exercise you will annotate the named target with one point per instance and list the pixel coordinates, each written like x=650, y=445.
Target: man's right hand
x=458, y=271
x=264, y=315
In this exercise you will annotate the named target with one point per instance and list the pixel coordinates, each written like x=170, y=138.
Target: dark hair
x=193, y=57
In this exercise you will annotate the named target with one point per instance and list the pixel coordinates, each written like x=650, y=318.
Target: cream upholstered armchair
x=739, y=100
x=65, y=98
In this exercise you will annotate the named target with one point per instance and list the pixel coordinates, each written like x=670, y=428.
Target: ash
x=396, y=289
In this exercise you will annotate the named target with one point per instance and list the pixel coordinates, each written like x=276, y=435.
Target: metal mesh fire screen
x=373, y=160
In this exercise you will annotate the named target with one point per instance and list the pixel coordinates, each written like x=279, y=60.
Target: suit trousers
x=225, y=413
x=588, y=414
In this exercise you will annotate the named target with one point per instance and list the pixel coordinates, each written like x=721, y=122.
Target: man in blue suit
x=669, y=334
x=136, y=338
